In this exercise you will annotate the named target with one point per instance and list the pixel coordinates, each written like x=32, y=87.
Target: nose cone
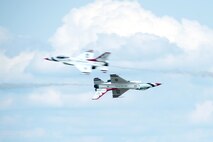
x=157, y=84
x=47, y=59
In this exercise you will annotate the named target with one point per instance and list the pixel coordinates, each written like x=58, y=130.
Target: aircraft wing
x=117, y=79
x=118, y=92
x=85, y=68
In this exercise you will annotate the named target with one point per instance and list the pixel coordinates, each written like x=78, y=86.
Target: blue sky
x=164, y=41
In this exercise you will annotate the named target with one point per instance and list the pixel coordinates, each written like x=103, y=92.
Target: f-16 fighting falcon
x=118, y=86
x=85, y=62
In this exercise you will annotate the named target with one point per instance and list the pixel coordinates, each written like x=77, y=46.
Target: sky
x=164, y=41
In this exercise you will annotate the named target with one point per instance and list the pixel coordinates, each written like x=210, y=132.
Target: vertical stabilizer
x=86, y=55
x=98, y=81
x=102, y=58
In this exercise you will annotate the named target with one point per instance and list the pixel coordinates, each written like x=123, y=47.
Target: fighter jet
x=85, y=62
x=118, y=86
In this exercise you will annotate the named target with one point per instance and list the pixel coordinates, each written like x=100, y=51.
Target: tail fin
x=86, y=55
x=103, y=57
x=97, y=82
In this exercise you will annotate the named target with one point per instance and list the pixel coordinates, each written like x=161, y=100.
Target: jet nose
x=157, y=84
x=47, y=59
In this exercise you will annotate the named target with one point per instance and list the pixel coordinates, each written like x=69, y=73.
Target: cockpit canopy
x=62, y=57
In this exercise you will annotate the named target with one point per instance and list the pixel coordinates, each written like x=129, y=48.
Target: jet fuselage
x=85, y=61
x=73, y=61
x=129, y=85
x=118, y=86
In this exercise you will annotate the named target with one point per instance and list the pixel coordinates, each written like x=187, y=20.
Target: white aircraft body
x=118, y=86
x=85, y=62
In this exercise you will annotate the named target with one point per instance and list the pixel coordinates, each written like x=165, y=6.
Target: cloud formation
x=14, y=68
x=126, y=18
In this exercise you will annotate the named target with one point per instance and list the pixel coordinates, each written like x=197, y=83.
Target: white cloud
x=14, y=67
x=21, y=58
x=193, y=35
x=125, y=18
x=28, y=66
x=203, y=112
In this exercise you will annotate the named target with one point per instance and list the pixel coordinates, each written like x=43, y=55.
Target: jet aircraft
x=85, y=62
x=118, y=86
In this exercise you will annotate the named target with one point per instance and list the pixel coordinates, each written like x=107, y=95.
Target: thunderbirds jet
x=118, y=86
x=85, y=62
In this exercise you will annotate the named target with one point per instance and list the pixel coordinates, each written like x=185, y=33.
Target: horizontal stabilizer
x=98, y=81
x=86, y=55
